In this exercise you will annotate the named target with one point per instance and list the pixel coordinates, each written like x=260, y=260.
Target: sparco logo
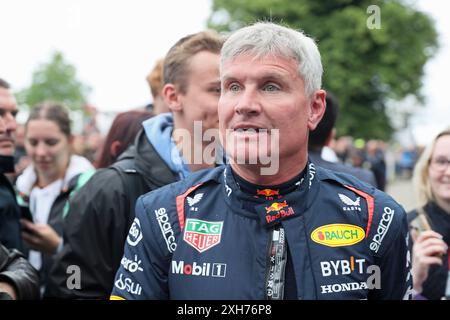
x=382, y=229
x=312, y=173
x=206, y=269
x=166, y=229
x=135, y=233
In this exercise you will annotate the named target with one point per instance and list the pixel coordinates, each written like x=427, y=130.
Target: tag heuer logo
x=202, y=235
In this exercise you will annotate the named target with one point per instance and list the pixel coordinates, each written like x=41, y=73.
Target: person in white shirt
x=46, y=184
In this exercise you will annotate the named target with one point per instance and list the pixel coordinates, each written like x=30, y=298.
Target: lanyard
x=276, y=262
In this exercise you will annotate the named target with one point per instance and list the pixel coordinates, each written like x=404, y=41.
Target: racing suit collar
x=271, y=210
x=268, y=192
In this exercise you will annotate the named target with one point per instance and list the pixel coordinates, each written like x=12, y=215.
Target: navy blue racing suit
x=332, y=237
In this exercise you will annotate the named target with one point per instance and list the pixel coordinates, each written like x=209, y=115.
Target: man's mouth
x=6, y=142
x=249, y=128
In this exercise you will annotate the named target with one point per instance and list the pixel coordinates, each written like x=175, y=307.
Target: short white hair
x=267, y=38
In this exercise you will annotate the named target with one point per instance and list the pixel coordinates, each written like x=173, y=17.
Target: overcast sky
x=114, y=44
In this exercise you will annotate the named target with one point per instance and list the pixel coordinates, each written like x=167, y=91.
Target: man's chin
x=245, y=156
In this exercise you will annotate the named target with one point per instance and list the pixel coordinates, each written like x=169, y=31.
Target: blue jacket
x=200, y=239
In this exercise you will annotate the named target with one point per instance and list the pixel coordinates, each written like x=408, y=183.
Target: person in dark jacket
x=267, y=228
x=430, y=222
x=9, y=209
x=18, y=279
x=101, y=213
x=323, y=134
x=374, y=158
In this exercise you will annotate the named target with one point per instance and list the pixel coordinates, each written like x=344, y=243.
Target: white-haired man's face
x=263, y=95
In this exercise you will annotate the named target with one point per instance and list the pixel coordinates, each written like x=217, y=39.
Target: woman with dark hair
x=45, y=185
x=121, y=135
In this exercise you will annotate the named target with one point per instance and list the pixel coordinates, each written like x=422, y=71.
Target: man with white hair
x=269, y=225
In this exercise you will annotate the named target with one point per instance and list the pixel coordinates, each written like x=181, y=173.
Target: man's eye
x=234, y=87
x=270, y=88
x=3, y=113
x=216, y=90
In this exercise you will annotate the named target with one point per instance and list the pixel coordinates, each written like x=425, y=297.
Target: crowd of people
x=144, y=217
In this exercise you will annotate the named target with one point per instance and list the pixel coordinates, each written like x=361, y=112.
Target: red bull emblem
x=278, y=210
x=276, y=206
x=267, y=192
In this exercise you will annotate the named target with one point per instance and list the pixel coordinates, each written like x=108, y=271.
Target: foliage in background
x=363, y=67
x=55, y=80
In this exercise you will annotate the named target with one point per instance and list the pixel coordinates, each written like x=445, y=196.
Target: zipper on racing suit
x=276, y=265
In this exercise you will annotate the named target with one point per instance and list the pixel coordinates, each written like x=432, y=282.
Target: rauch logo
x=338, y=235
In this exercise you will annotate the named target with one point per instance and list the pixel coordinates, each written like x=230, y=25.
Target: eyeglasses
x=440, y=164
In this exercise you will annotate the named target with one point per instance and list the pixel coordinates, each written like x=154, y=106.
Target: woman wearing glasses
x=430, y=222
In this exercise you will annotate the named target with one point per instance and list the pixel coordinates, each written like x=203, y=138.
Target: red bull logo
x=267, y=192
x=276, y=206
x=278, y=210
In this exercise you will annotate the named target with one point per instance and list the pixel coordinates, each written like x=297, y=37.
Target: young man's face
x=8, y=111
x=200, y=100
x=263, y=95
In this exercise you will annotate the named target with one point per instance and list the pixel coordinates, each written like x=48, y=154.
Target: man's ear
x=172, y=97
x=317, y=107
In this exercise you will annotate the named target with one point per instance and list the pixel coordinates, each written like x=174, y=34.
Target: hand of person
x=9, y=289
x=427, y=250
x=23, y=163
x=40, y=236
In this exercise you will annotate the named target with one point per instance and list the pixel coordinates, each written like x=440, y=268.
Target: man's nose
x=248, y=103
x=10, y=122
x=2, y=126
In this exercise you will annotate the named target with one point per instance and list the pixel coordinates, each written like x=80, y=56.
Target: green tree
x=55, y=81
x=365, y=67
